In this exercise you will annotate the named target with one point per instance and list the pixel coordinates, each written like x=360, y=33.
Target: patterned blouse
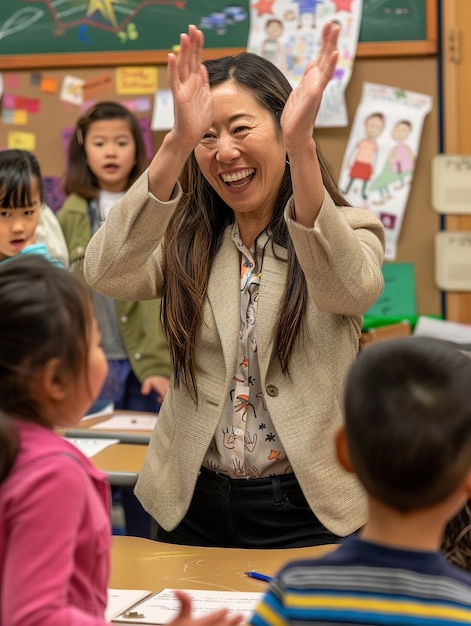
x=246, y=444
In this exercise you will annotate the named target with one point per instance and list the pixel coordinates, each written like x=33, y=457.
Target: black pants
x=255, y=513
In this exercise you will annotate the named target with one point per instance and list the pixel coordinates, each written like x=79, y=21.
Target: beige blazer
x=341, y=257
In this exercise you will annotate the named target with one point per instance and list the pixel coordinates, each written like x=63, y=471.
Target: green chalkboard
x=82, y=26
x=393, y=20
x=38, y=33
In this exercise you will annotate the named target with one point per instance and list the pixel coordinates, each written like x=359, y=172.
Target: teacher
x=264, y=274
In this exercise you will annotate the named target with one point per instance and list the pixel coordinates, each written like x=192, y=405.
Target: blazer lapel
x=224, y=298
x=269, y=302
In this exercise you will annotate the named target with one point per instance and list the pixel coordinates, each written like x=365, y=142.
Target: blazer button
x=124, y=319
x=137, y=356
x=272, y=390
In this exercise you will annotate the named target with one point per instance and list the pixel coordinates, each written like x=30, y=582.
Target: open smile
x=237, y=180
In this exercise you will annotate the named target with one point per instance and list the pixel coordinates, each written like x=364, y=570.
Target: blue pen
x=258, y=576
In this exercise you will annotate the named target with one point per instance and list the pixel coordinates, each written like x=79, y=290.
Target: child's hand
x=218, y=618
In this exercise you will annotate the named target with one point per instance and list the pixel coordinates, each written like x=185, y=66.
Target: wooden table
x=138, y=563
x=122, y=462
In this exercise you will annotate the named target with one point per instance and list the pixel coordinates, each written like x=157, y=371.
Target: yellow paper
x=136, y=80
x=21, y=141
x=20, y=117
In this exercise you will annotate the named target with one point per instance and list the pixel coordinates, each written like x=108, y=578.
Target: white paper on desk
x=163, y=607
x=90, y=447
x=127, y=422
x=442, y=329
x=106, y=410
x=121, y=600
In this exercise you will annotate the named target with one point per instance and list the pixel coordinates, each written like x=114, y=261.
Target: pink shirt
x=54, y=535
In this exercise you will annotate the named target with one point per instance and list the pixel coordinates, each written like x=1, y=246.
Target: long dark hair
x=45, y=313
x=79, y=178
x=195, y=231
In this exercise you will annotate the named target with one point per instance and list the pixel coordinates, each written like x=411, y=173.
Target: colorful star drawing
x=274, y=455
x=343, y=5
x=109, y=15
x=105, y=7
x=263, y=7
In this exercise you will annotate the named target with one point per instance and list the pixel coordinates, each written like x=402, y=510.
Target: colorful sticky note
x=21, y=141
x=48, y=84
x=7, y=116
x=35, y=79
x=398, y=297
x=136, y=80
x=12, y=81
x=9, y=101
x=20, y=117
x=142, y=105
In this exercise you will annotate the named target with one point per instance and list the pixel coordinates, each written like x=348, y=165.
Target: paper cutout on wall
x=54, y=195
x=72, y=90
x=379, y=162
x=288, y=33
x=136, y=80
x=21, y=141
x=399, y=295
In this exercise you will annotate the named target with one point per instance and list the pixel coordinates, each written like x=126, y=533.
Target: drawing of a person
x=271, y=47
x=307, y=7
x=366, y=152
x=398, y=166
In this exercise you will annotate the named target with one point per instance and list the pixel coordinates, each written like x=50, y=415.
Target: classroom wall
x=421, y=222
x=418, y=73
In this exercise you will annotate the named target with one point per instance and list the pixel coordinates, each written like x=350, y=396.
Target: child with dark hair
x=27, y=225
x=54, y=504
x=106, y=155
x=407, y=436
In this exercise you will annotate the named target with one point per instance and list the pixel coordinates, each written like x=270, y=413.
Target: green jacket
x=138, y=321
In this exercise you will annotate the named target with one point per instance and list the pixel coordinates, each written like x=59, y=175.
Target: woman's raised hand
x=299, y=114
x=189, y=83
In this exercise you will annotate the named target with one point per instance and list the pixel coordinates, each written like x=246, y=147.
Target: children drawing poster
x=288, y=33
x=379, y=161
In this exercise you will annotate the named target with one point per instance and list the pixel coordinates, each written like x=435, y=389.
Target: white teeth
x=232, y=178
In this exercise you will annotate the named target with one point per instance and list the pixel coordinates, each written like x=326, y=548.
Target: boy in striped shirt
x=407, y=436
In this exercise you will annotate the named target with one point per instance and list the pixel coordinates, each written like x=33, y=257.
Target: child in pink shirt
x=54, y=504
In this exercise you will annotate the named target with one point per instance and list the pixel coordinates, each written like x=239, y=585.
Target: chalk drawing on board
x=20, y=20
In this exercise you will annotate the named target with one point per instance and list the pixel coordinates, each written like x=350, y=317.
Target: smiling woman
x=264, y=273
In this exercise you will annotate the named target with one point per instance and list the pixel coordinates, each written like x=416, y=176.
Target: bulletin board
x=73, y=33
x=50, y=118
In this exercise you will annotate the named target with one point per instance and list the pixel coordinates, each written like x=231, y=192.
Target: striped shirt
x=363, y=583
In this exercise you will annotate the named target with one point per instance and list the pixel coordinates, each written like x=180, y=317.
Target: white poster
x=288, y=33
x=379, y=161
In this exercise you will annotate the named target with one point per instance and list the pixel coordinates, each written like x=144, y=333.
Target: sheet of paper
x=106, y=410
x=163, y=607
x=90, y=447
x=442, y=329
x=398, y=297
x=127, y=422
x=121, y=600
